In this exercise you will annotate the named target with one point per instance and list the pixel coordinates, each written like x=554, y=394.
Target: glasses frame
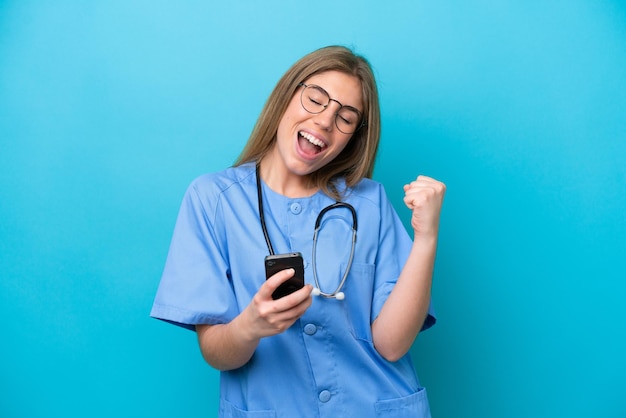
x=341, y=106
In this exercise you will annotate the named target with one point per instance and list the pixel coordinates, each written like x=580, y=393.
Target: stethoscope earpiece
x=316, y=291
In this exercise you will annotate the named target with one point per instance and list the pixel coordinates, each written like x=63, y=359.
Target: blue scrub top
x=325, y=365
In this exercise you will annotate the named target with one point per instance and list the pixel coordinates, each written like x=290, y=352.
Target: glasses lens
x=347, y=120
x=314, y=99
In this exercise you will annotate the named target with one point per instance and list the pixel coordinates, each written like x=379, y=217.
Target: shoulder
x=214, y=185
x=209, y=192
x=368, y=190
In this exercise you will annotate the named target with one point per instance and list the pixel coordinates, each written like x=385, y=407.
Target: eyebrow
x=334, y=100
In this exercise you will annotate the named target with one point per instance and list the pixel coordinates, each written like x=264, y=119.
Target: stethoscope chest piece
x=338, y=295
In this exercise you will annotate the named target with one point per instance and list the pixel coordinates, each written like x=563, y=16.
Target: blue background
x=108, y=109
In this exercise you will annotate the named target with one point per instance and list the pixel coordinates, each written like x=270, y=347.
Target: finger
x=296, y=299
x=409, y=202
x=424, y=180
x=420, y=191
x=426, y=188
x=288, y=309
x=272, y=283
x=423, y=198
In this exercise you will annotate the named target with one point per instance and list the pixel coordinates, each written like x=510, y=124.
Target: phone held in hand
x=279, y=262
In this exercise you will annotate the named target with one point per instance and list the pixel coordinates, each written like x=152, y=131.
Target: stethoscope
x=337, y=294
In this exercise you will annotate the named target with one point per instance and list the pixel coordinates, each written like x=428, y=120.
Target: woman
x=303, y=355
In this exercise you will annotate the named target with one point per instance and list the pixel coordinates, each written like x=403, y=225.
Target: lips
x=310, y=144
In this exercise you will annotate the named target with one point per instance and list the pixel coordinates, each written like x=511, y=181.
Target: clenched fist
x=424, y=196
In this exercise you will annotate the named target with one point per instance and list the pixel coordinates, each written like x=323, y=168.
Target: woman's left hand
x=424, y=196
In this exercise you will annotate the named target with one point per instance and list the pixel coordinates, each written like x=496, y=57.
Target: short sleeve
x=196, y=287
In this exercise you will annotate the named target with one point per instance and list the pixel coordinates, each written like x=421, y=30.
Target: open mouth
x=310, y=144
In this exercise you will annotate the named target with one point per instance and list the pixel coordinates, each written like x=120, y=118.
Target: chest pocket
x=414, y=406
x=359, y=289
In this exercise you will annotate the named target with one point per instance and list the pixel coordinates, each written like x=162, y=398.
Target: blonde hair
x=357, y=159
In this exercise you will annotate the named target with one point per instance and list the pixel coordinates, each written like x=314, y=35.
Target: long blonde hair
x=357, y=159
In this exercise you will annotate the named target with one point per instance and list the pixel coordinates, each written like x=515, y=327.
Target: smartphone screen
x=279, y=262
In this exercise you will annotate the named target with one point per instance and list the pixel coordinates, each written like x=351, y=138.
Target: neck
x=278, y=178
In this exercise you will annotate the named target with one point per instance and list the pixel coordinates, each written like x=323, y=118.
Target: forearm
x=226, y=346
x=230, y=346
x=405, y=310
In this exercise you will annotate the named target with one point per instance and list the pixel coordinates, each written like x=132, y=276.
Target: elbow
x=214, y=363
x=393, y=356
x=391, y=352
x=222, y=365
x=389, y=345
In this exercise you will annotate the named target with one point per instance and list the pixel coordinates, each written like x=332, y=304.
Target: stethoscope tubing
x=338, y=294
x=348, y=267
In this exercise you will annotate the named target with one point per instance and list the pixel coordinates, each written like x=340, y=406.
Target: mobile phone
x=279, y=262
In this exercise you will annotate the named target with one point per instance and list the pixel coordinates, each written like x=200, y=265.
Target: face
x=306, y=142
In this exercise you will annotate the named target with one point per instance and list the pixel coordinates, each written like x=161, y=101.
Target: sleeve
x=195, y=287
x=393, y=251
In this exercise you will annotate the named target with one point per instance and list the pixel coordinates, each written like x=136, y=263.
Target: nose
x=326, y=118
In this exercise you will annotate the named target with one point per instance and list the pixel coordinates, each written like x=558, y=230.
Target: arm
x=405, y=310
x=229, y=346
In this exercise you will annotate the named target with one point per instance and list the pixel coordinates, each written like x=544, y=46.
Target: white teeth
x=313, y=140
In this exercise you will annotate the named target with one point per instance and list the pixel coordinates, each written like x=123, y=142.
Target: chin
x=302, y=170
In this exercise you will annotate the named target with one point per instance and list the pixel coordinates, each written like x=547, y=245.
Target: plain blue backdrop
x=108, y=109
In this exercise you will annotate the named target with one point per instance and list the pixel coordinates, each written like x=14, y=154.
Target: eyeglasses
x=315, y=99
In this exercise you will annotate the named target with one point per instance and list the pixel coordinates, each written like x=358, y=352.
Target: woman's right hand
x=229, y=346
x=265, y=317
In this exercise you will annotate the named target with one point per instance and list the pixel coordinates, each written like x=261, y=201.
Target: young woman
x=338, y=346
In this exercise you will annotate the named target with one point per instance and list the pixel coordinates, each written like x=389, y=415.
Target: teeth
x=313, y=140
